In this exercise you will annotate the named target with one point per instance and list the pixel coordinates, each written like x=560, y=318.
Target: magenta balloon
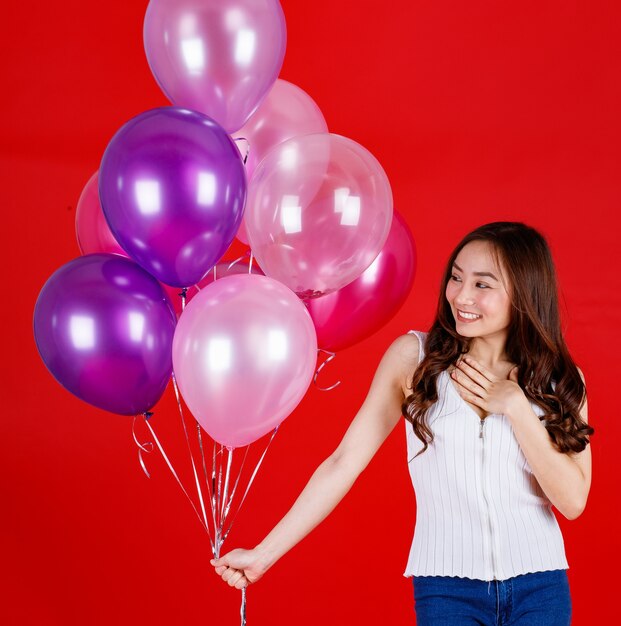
x=318, y=213
x=104, y=328
x=219, y=57
x=286, y=112
x=244, y=354
x=91, y=229
x=356, y=311
x=222, y=270
x=172, y=186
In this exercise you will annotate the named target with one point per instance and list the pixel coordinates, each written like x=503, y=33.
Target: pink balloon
x=286, y=112
x=356, y=311
x=244, y=354
x=222, y=270
x=218, y=57
x=318, y=212
x=91, y=229
x=242, y=235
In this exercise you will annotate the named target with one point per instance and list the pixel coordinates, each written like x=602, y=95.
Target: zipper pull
x=481, y=428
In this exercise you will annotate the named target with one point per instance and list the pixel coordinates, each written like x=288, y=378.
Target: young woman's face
x=476, y=292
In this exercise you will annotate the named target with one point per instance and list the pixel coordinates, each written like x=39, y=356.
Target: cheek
x=496, y=304
x=449, y=292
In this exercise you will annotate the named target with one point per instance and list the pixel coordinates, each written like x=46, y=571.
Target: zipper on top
x=489, y=519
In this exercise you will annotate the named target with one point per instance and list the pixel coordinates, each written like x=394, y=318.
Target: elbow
x=575, y=510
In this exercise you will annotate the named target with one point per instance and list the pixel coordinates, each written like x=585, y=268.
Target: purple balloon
x=172, y=186
x=104, y=328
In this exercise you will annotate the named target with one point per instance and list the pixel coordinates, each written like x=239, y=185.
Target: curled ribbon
x=331, y=357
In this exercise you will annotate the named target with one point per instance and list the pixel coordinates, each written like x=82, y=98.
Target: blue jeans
x=536, y=599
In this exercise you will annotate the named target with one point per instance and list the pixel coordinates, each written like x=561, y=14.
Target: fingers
x=467, y=395
x=467, y=382
x=233, y=577
x=476, y=371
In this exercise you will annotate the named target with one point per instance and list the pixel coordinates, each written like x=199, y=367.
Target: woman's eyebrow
x=476, y=273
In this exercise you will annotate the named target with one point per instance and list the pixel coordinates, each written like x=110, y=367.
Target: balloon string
x=187, y=439
x=242, y=610
x=147, y=446
x=234, y=490
x=225, y=493
x=250, y=262
x=254, y=473
x=174, y=473
x=238, y=259
x=331, y=356
x=184, y=295
x=209, y=491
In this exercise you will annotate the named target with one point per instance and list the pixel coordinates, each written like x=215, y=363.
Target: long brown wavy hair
x=534, y=343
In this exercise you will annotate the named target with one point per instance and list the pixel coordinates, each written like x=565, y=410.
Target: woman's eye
x=453, y=277
x=482, y=285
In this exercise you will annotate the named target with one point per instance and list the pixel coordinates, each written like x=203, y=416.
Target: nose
x=465, y=295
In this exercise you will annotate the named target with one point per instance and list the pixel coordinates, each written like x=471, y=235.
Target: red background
x=478, y=111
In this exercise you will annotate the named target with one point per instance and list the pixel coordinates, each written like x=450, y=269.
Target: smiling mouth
x=467, y=317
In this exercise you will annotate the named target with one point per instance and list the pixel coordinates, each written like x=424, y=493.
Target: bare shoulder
x=402, y=359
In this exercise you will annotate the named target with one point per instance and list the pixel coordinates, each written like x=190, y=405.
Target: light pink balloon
x=244, y=354
x=356, y=311
x=242, y=235
x=286, y=112
x=318, y=212
x=218, y=57
x=91, y=229
x=222, y=270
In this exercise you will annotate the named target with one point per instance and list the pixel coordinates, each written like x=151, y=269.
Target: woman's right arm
x=376, y=418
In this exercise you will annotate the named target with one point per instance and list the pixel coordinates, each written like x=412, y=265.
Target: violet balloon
x=219, y=57
x=172, y=186
x=244, y=354
x=318, y=213
x=351, y=314
x=91, y=229
x=104, y=328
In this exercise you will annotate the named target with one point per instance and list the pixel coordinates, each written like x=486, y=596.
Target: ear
x=513, y=374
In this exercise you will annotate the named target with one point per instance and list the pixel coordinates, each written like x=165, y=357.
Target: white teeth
x=468, y=316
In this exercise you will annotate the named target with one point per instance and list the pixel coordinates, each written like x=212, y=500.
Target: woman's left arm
x=564, y=477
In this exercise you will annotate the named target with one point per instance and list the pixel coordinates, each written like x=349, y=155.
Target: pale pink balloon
x=286, y=112
x=244, y=354
x=356, y=311
x=222, y=270
x=91, y=229
x=242, y=235
x=318, y=212
x=218, y=57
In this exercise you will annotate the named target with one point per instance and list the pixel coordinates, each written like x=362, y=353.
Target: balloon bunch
x=238, y=153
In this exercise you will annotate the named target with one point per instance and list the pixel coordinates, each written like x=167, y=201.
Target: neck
x=489, y=351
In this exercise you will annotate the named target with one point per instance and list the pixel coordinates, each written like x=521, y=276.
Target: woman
x=497, y=433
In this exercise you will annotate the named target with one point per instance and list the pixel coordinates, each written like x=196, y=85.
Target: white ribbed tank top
x=480, y=512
